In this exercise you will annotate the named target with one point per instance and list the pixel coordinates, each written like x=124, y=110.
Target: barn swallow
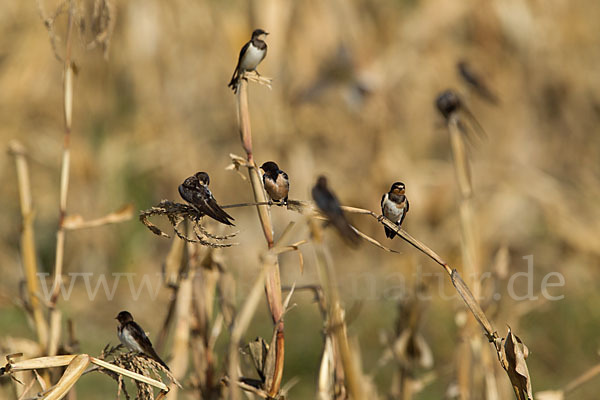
x=448, y=104
x=134, y=338
x=329, y=205
x=276, y=182
x=195, y=191
x=476, y=82
x=251, y=55
x=394, y=206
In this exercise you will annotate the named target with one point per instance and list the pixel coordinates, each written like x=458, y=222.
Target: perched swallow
x=476, y=82
x=329, y=205
x=134, y=338
x=251, y=55
x=276, y=182
x=195, y=191
x=448, y=104
x=394, y=206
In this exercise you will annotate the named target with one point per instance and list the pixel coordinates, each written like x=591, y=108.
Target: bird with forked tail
x=275, y=182
x=134, y=338
x=329, y=205
x=250, y=56
x=195, y=191
x=394, y=206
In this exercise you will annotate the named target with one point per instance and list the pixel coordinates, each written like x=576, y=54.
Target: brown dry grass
x=353, y=91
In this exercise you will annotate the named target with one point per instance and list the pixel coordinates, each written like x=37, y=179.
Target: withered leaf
x=515, y=353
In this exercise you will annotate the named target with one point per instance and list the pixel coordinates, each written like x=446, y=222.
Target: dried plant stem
x=64, y=178
x=337, y=324
x=181, y=336
x=469, y=248
x=240, y=324
x=580, y=380
x=463, y=179
x=272, y=279
x=263, y=203
x=28, y=242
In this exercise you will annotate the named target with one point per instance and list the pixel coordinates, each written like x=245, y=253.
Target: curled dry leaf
x=258, y=352
x=515, y=353
x=76, y=367
x=236, y=163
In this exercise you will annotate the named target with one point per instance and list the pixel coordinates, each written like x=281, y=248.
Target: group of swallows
x=394, y=204
x=194, y=190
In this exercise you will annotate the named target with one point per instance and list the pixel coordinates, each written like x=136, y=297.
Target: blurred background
x=353, y=92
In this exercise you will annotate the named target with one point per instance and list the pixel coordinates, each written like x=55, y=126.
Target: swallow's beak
x=266, y=33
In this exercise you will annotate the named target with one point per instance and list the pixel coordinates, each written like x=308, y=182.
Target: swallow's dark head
x=202, y=178
x=398, y=188
x=321, y=182
x=269, y=166
x=124, y=317
x=258, y=32
x=447, y=102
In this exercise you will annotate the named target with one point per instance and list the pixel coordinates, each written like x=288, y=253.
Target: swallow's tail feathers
x=233, y=84
x=219, y=214
x=152, y=354
x=390, y=233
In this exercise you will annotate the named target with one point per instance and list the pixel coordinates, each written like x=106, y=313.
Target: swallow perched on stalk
x=476, y=82
x=251, y=55
x=394, y=206
x=329, y=205
x=134, y=338
x=195, y=191
x=449, y=104
x=276, y=182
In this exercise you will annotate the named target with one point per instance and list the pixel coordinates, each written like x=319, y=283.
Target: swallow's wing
x=203, y=200
x=382, y=201
x=145, y=343
x=327, y=203
x=139, y=336
x=236, y=71
x=242, y=52
x=330, y=206
x=212, y=208
x=186, y=193
x=405, y=201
